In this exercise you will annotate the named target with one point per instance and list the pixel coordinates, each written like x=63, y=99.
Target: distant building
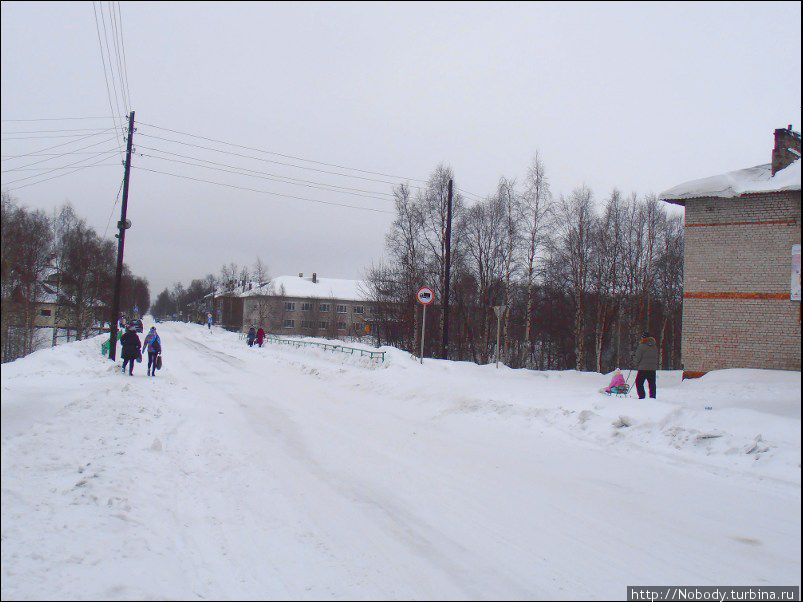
x=310, y=306
x=741, y=298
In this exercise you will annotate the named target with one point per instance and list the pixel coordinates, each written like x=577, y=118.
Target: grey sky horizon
x=639, y=97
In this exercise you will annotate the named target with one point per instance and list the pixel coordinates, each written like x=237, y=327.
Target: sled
x=159, y=362
x=619, y=391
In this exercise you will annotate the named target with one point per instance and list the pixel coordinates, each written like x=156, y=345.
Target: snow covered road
x=278, y=472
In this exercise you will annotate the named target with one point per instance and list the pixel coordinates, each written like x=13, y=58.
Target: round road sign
x=425, y=295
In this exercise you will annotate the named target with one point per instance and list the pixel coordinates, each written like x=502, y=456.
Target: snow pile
x=290, y=473
x=736, y=183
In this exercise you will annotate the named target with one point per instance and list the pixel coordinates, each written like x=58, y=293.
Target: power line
x=62, y=167
x=52, y=156
x=122, y=45
x=28, y=167
x=44, y=137
x=82, y=130
x=239, y=173
x=106, y=78
x=53, y=119
x=273, y=176
x=266, y=191
x=98, y=164
x=57, y=145
x=116, y=37
x=114, y=206
x=334, y=173
x=286, y=156
x=111, y=65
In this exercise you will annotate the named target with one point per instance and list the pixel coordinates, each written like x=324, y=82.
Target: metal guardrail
x=374, y=355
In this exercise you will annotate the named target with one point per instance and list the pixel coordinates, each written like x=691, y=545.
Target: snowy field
x=279, y=472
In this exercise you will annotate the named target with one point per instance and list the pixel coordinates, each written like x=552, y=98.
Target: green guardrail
x=104, y=346
x=374, y=355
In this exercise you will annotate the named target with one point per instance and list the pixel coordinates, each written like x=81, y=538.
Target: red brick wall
x=737, y=270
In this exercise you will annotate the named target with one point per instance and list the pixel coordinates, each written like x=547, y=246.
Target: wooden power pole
x=122, y=226
x=447, y=275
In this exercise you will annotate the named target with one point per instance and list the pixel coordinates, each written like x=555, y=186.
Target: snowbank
x=295, y=473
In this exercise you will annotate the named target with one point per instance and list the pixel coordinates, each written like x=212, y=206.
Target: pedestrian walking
x=260, y=336
x=209, y=321
x=252, y=334
x=131, y=349
x=646, y=362
x=154, y=345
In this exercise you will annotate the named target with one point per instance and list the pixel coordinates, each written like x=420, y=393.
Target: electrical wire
x=106, y=78
x=286, y=156
x=122, y=45
x=52, y=156
x=28, y=167
x=114, y=206
x=265, y=191
x=57, y=145
x=334, y=173
x=52, y=119
x=98, y=164
x=270, y=175
x=62, y=167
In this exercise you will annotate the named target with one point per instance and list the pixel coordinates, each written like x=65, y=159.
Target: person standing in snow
x=646, y=362
x=260, y=336
x=154, y=345
x=209, y=321
x=131, y=352
x=252, y=333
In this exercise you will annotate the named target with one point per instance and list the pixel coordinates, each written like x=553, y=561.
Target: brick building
x=309, y=306
x=740, y=235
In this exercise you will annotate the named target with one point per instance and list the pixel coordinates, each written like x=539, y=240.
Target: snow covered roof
x=737, y=183
x=304, y=287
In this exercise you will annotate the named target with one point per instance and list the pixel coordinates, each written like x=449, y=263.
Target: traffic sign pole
x=424, y=296
x=423, y=329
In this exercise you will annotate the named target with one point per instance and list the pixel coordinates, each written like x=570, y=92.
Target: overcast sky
x=639, y=97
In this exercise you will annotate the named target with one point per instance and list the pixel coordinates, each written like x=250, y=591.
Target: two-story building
x=310, y=306
x=741, y=289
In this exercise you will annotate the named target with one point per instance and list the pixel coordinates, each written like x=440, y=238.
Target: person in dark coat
x=131, y=345
x=646, y=362
x=252, y=334
x=260, y=336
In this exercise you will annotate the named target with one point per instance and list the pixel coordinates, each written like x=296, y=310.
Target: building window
x=46, y=312
x=341, y=326
x=324, y=307
x=323, y=325
x=359, y=309
x=289, y=323
x=306, y=306
x=289, y=306
x=342, y=309
x=374, y=310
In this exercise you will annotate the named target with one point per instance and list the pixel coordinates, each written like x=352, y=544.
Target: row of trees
x=579, y=279
x=190, y=302
x=57, y=279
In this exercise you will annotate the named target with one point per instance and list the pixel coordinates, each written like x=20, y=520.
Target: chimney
x=314, y=278
x=787, y=148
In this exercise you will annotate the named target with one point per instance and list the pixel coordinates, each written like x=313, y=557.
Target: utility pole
x=122, y=226
x=447, y=274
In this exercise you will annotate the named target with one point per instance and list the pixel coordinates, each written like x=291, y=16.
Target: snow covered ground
x=279, y=472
